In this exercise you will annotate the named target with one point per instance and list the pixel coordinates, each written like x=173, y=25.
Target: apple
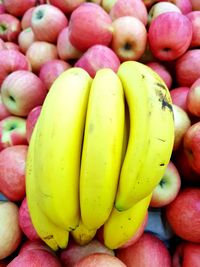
x=179, y=96
x=108, y=4
x=25, y=222
x=34, y=245
x=194, y=17
x=186, y=254
x=168, y=187
x=135, y=8
x=25, y=38
x=184, y=5
x=10, y=27
x=148, y=251
x=12, y=60
x=21, y=91
x=193, y=98
x=31, y=121
x=11, y=45
x=187, y=68
x=89, y=25
x=50, y=70
x=195, y=4
x=47, y=21
x=2, y=45
x=129, y=38
x=167, y=44
x=10, y=234
x=97, y=57
x=2, y=7
x=67, y=6
x=39, y=52
x=18, y=8
x=4, y=113
x=162, y=71
x=66, y=50
x=26, y=18
x=183, y=214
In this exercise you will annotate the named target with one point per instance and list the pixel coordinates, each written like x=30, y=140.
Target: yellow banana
x=134, y=185
x=122, y=225
x=102, y=148
x=58, y=145
x=52, y=235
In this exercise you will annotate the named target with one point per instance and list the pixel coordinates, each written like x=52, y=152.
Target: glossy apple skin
x=97, y=57
x=183, y=214
x=148, y=251
x=179, y=96
x=10, y=27
x=129, y=38
x=31, y=121
x=193, y=98
x=187, y=68
x=168, y=45
x=26, y=18
x=25, y=38
x=18, y=8
x=194, y=17
x=67, y=6
x=89, y=25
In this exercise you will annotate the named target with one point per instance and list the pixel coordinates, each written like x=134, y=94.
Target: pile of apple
x=41, y=39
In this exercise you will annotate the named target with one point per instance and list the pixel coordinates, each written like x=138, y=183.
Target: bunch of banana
x=98, y=150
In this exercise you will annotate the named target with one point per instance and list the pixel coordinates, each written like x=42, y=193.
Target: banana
x=52, y=235
x=58, y=145
x=122, y=225
x=138, y=178
x=102, y=148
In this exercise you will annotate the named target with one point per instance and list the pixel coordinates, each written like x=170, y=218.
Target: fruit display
x=99, y=133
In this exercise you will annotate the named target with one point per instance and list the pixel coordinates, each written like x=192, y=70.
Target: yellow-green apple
x=129, y=38
x=31, y=121
x=18, y=8
x=12, y=175
x=25, y=222
x=67, y=6
x=10, y=234
x=12, y=60
x=165, y=44
x=108, y=4
x=39, y=52
x=97, y=57
x=89, y=24
x=183, y=214
x=162, y=71
x=179, y=96
x=168, y=187
x=74, y=252
x=193, y=98
x=186, y=254
x=12, y=131
x=135, y=8
x=195, y=4
x=182, y=123
x=3, y=110
x=194, y=17
x=21, y=91
x=50, y=70
x=26, y=18
x=25, y=38
x=10, y=27
x=66, y=50
x=187, y=68
x=148, y=251
x=47, y=21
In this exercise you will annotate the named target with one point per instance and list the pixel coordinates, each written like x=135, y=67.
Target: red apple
x=39, y=52
x=168, y=187
x=89, y=25
x=67, y=6
x=193, y=98
x=47, y=21
x=65, y=49
x=179, y=96
x=50, y=70
x=129, y=38
x=21, y=91
x=26, y=18
x=184, y=5
x=2, y=7
x=195, y=4
x=12, y=60
x=135, y=8
x=4, y=113
x=11, y=45
x=108, y=4
x=187, y=68
x=2, y=45
x=34, y=245
x=10, y=234
x=148, y=251
x=18, y=8
x=10, y=27
x=25, y=38
x=194, y=17
x=183, y=214
x=166, y=43
x=97, y=57
x=31, y=121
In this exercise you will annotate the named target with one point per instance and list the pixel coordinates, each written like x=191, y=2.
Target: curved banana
x=52, y=235
x=58, y=145
x=122, y=225
x=102, y=148
x=160, y=135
